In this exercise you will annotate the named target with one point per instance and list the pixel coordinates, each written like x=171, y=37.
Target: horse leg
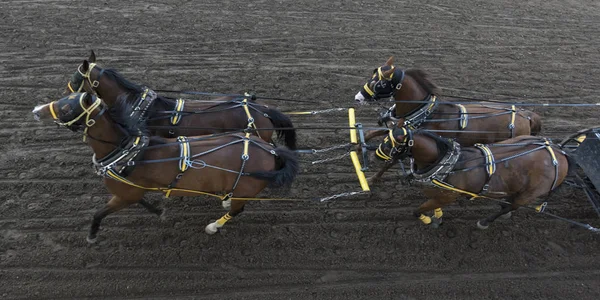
x=436, y=201
x=237, y=206
x=505, y=211
x=387, y=166
x=160, y=212
x=115, y=204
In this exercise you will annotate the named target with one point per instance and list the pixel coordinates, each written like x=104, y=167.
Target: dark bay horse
x=133, y=163
x=194, y=117
x=518, y=170
x=468, y=124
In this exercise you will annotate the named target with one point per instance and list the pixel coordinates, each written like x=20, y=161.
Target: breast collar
x=443, y=167
x=121, y=160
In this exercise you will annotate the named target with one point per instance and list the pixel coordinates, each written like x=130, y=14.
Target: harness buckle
x=245, y=156
x=398, y=86
x=95, y=84
x=179, y=176
x=90, y=122
x=411, y=143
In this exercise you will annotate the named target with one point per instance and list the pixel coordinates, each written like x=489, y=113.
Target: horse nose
x=38, y=111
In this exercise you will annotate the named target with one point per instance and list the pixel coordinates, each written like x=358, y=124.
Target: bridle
x=87, y=112
x=397, y=148
x=86, y=76
x=389, y=85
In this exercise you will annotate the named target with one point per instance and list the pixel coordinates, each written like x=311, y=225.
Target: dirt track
x=538, y=51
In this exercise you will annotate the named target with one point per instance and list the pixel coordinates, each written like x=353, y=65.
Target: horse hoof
x=482, y=227
x=163, y=214
x=91, y=240
x=226, y=204
x=211, y=229
x=506, y=215
x=435, y=222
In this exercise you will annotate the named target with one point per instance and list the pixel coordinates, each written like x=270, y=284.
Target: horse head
x=73, y=112
x=397, y=144
x=384, y=83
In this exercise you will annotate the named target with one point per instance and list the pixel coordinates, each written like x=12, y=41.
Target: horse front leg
x=437, y=200
x=505, y=212
x=237, y=207
x=388, y=164
x=115, y=204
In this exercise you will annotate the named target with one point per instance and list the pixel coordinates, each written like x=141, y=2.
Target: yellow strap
x=246, y=143
x=549, y=148
x=185, y=153
x=489, y=159
x=368, y=90
x=178, y=108
x=52, y=112
x=464, y=121
x=581, y=138
x=449, y=187
x=512, y=116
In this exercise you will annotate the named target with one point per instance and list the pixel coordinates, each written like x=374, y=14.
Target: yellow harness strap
x=176, y=117
x=249, y=116
x=490, y=163
x=511, y=125
x=86, y=112
x=184, y=153
x=464, y=117
x=447, y=186
x=379, y=152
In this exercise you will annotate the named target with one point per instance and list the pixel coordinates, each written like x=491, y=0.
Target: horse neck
x=410, y=91
x=109, y=90
x=104, y=136
x=425, y=151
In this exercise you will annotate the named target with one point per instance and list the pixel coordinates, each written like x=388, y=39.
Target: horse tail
x=279, y=120
x=286, y=169
x=535, y=123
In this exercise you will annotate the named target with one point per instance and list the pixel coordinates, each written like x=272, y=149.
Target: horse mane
x=443, y=145
x=422, y=78
x=120, y=113
x=131, y=87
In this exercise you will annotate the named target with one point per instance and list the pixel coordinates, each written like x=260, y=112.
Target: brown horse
x=175, y=117
x=468, y=124
x=518, y=170
x=134, y=163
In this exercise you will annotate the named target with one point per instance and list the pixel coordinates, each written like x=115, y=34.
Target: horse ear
x=400, y=123
x=85, y=66
x=88, y=98
x=390, y=61
x=92, y=57
x=388, y=73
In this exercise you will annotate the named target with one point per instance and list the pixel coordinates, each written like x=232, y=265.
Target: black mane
x=444, y=145
x=422, y=78
x=120, y=113
x=131, y=87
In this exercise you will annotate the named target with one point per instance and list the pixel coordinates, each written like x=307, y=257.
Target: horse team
x=145, y=142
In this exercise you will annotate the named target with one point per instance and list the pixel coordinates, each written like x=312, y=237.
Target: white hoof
x=506, y=215
x=163, y=215
x=226, y=204
x=91, y=241
x=211, y=228
x=482, y=227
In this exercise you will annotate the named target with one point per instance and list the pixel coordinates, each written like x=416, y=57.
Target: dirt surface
x=357, y=248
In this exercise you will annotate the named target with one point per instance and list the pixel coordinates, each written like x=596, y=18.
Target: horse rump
x=286, y=169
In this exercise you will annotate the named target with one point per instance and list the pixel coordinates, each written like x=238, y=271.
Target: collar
x=443, y=167
x=120, y=159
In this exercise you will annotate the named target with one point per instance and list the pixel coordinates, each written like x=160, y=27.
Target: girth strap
x=490, y=162
x=251, y=124
x=176, y=116
x=464, y=117
x=184, y=162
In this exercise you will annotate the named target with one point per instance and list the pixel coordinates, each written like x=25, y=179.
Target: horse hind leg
x=237, y=207
x=505, y=212
x=160, y=212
